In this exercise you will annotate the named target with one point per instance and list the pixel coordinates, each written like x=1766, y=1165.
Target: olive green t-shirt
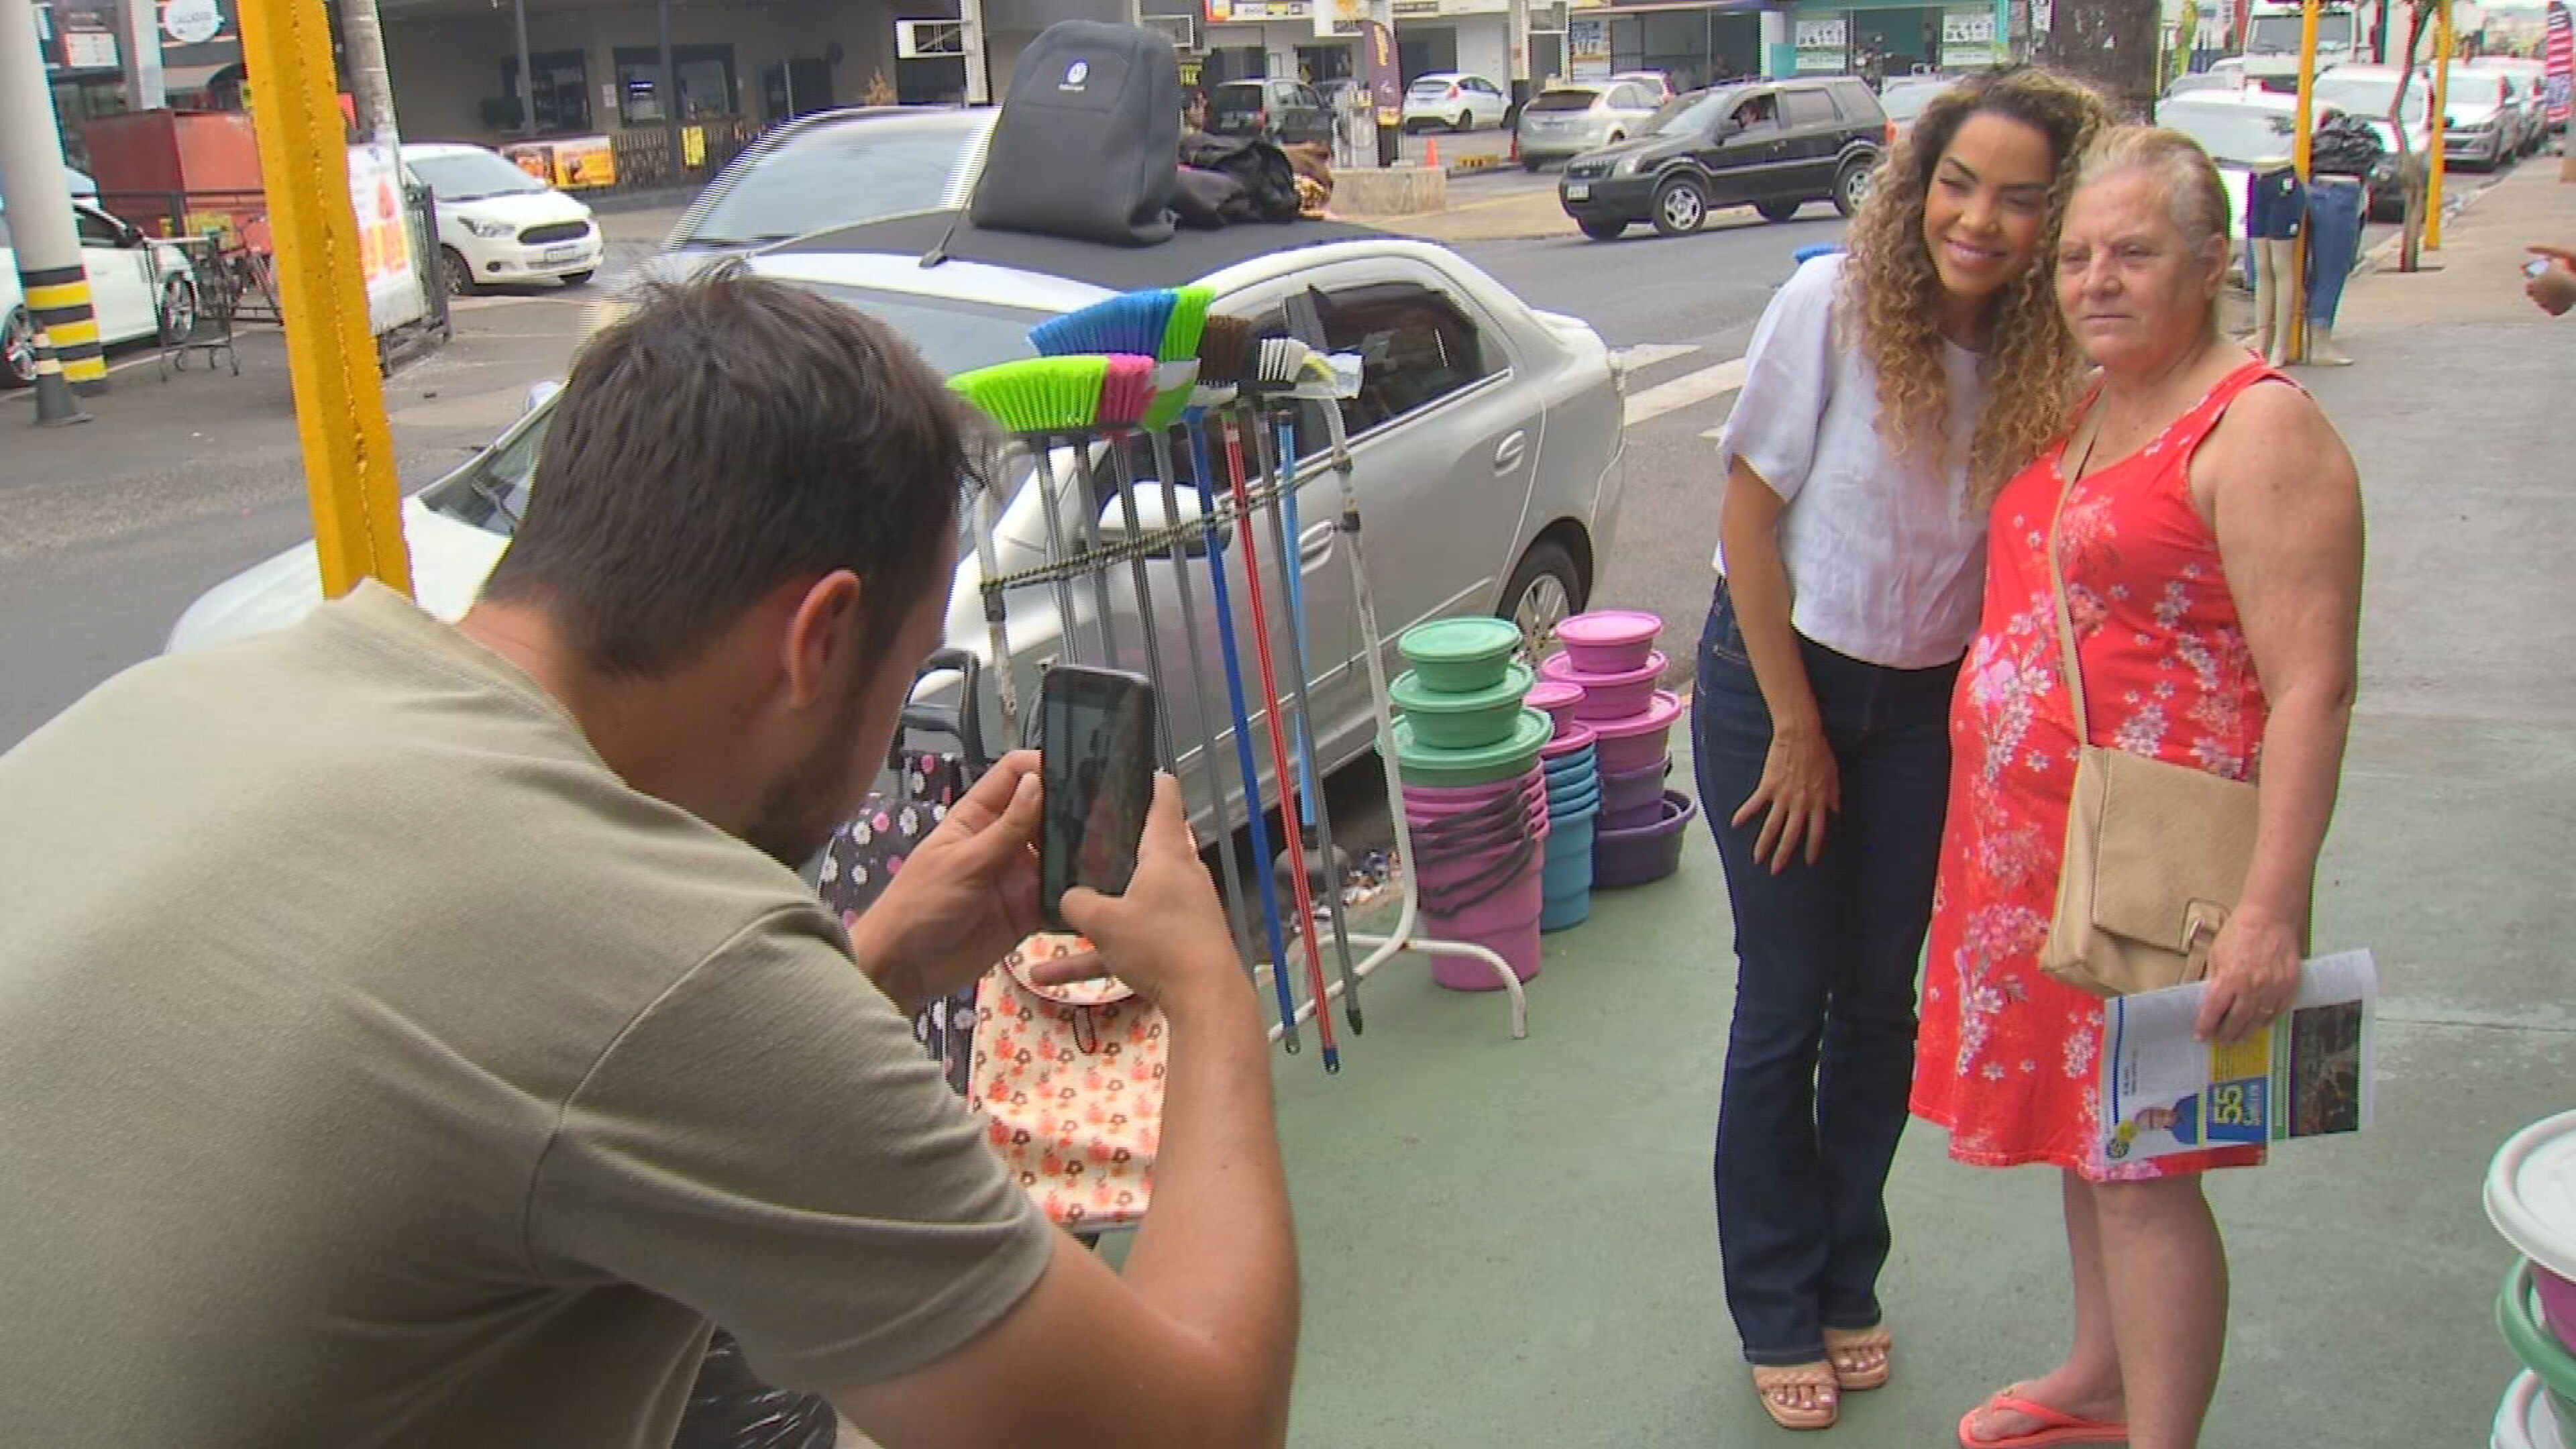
x=377, y=1068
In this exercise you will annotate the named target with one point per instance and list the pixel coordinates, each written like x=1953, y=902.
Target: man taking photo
x=418, y=1035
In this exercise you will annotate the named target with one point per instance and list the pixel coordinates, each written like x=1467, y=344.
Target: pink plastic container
x=1568, y=741
x=1559, y=698
x=1628, y=792
x=1640, y=739
x=1436, y=796
x=1505, y=923
x=2557, y=1304
x=1607, y=696
x=1609, y=641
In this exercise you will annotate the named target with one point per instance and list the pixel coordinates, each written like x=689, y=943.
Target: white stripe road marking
x=1685, y=391
x=1647, y=354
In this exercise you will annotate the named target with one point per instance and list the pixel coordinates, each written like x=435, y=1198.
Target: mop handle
x=1064, y=625
x=996, y=631
x=1124, y=477
x=1086, y=521
x=1243, y=739
x=1161, y=442
x=1296, y=570
x=1279, y=754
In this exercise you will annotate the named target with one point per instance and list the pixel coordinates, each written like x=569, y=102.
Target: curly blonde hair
x=1892, y=294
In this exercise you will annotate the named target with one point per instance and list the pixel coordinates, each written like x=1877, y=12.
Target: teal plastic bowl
x=1460, y=656
x=1450, y=720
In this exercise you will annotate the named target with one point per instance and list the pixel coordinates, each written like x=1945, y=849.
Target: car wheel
x=1851, y=188
x=1777, y=210
x=1466, y=121
x=576, y=279
x=1681, y=207
x=1604, y=230
x=18, y=350
x=1616, y=137
x=1531, y=163
x=178, y=311
x=1544, y=589
x=460, y=276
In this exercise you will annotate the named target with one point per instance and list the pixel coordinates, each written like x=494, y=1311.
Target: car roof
x=444, y=148
x=906, y=118
x=1186, y=258
x=2231, y=100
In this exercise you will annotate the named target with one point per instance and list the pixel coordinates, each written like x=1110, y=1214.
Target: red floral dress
x=2009, y=1060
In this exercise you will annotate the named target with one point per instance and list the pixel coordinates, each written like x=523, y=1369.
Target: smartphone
x=2536, y=268
x=1096, y=741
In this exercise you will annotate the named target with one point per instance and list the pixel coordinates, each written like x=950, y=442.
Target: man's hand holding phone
x=1166, y=936
x=966, y=896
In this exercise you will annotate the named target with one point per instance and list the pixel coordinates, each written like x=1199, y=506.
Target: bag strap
x=2070, y=664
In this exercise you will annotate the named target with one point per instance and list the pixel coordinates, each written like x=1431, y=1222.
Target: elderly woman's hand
x=2253, y=976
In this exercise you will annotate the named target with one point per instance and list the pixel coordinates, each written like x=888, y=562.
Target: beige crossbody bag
x=2156, y=853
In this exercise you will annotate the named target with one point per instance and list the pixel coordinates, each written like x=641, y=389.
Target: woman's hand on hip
x=1801, y=786
x=2253, y=976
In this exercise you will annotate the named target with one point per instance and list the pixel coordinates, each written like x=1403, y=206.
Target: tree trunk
x=2413, y=171
x=371, y=86
x=2110, y=45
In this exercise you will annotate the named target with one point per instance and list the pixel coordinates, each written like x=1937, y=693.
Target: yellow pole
x=2441, y=103
x=2302, y=145
x=330, y=345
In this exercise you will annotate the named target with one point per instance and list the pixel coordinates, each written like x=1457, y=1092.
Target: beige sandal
x=1860, y=1357
x=1780, y=1385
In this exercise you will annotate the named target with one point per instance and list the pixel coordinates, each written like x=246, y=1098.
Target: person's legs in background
x=2334, y=244
x=1896, y=781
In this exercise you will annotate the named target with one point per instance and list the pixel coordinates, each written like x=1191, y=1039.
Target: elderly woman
x=2209, y=526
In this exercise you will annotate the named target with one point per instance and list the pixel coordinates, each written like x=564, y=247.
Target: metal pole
x=527, y=76
x=2295, y=346
x=2441, y=104
x=371, y=85
x=40, y=204
x=667, y=89
x=979, y=74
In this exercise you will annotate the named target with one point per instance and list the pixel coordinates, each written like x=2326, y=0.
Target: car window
x=1628, y=98
x=1808, y=108
x=1759, y=109
x=1691, y=115
x=835, y=176
x=1309, y=97
x=1861, y=107
x=470, y=175
x=1568, y=99
x=97, y=230
x=1416, y=344
x=1906, y=102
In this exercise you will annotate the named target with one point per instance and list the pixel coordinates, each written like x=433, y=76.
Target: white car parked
x=497, y=225
x=138, y=289
x=1459, y=102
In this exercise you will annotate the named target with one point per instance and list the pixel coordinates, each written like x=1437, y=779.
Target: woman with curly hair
x=1888, y=394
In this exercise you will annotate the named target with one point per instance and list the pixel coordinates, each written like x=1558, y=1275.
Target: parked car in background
x=2522, y=95
x=1454, y=100
x=1485, y=444
x=1568, y=120
x=1657, y=84
x=2535, y=84
x=2481, y=125
x=2370, y=91
x=2192, y=82
x=1288, y=112
x=498, y=225
x=2245, y=132
x=1771, y=145
x=139, y=290
x=1905, y=98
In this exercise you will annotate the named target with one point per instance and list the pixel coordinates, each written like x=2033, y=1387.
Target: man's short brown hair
x=730, y=435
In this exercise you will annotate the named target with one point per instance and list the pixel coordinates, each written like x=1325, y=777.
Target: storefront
x=1693, y=45
x=1248, y=39
x=1473, y=37
x=1888, y=40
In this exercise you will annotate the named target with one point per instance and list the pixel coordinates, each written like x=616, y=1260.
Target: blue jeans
x=2334, y=241
x=1821, y=1054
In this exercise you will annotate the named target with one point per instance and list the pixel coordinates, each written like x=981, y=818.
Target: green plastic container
x=1460, y=656
x=2518, y=1318
x=1424, y=764
x=1450, y=721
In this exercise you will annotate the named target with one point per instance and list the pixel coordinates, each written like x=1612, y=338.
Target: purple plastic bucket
x=1436, y=796
x=2557, y=1304
x=1627, y=792
x=1505, y=923
x=1635, y=856
x=1607, y=696
x=1640, y=739
x=1559, y=698
x=1609, y=641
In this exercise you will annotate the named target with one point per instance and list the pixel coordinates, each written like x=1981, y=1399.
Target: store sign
x=197, y=22
x=384, y=237
x=1340, y=18
x=1587, y=40
x=1253, y=12
x=1968, y=39
x=574, y=163
x=77, y=35
x=1824, y=46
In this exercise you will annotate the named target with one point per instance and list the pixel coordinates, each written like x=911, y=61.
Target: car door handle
x=1315, y=544
x=1507, y=455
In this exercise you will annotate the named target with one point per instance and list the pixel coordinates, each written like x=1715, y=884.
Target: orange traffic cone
x=1431, y=153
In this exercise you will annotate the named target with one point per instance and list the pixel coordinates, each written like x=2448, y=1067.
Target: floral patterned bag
x=1070, y=1081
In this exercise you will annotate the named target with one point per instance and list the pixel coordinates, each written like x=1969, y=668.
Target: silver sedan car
x=1568, y=120
x=1485, y=444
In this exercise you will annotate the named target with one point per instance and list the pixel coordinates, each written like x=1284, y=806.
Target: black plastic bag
x=1262, y=169
x=730, y=1409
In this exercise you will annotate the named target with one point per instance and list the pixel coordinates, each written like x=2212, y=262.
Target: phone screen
x=1097, y=743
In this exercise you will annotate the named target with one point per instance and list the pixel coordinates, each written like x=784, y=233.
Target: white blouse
x=1886, y=562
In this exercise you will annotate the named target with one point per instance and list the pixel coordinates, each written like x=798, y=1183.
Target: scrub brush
x=1163, y=323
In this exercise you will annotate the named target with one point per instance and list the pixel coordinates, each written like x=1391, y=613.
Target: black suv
x=1284, y=111
x=1775, y=145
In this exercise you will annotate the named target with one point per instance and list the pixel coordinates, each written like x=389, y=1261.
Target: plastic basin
x=2531, y=1198
x=1585, y=802
x=2518, y=1318
x=1454, y=721
x=1609, y=641
x=1579, y=740
x=1607, y=696
x=1625, y=792
x=1428, y=764
x=1558, y=698
x=1460, y=656
x=2525, y=1420
x=1565, y=912
x=1644, y=853
x=1640, y=739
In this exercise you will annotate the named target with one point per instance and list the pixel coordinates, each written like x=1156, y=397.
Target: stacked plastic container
x=2531, y=1199
x=1570, y=760
x=1610, y=655
x=1475, y=798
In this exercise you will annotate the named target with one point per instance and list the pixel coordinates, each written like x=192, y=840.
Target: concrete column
x=527, y=81
x=979, y=72
x=39, y=200
x=139, y=36
x=1779, y=42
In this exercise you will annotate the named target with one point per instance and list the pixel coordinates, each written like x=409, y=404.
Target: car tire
x=1851, y=187
x=1604, y=230
x=460, y=275
x=18, y=349
x=1778, y=210
x=178, y=310
x=1531, y=163
x=1543, y=590
x=576, y=279
x=1466, y=121
x=1681, y=206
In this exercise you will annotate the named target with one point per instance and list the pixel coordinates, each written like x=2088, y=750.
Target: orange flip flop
x=2056, y=1426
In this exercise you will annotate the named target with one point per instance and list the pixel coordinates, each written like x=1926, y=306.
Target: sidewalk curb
x=2384, y=255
